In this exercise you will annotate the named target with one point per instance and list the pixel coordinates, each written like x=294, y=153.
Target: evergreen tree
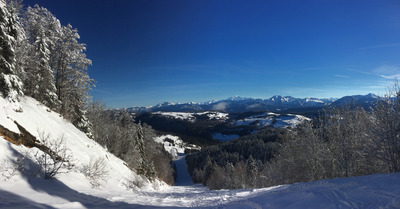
x=42, y=32
x=145, y=168
x=252, y=171
x=56, y=73
x=10, y=84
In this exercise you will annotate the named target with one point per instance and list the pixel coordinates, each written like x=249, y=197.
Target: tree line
x=132, y=142
x=341, y=142
x=43, y=59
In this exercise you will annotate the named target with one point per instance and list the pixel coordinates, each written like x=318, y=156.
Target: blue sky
x=150, y=51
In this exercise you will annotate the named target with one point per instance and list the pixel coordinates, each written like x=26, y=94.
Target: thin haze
x=146, y=52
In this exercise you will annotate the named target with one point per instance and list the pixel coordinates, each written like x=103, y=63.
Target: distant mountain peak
x=244, y=104
x=236, y=98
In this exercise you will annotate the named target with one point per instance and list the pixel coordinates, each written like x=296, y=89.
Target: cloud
x=342, y=76
x=253, y=106
x=384, y=71
x=220, y=106
x=391, y=77
x=388, y=72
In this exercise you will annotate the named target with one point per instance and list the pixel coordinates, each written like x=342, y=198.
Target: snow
x=183, y=177
x=4, y=115
x=215, y=115
x=179, y=115
x=71, y=189
x=271, y=119
x=189, y=116
x=174, y=145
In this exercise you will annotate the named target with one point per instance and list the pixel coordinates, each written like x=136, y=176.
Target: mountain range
x=241, y=104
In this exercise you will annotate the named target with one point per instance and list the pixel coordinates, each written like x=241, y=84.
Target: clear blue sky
x=146, y=52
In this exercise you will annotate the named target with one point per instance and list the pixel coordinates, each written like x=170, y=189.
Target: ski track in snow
x=183, y=176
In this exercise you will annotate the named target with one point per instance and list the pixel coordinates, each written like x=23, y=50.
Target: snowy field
x=190, y=116
x=272, y=119
x=25, y=188
x=175, y=145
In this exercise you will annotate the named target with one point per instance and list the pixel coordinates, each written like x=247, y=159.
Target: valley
x=202, y=124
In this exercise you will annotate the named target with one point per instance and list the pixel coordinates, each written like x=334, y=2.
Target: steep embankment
x=35, y=131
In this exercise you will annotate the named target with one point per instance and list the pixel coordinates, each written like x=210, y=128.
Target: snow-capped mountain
x=238, y=104
x=362, y=100
x=275, y=103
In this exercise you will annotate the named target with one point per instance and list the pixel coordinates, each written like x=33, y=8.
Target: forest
x=340, y=142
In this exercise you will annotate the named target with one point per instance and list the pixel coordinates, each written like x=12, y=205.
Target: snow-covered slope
x=82, y=151
x=272, y=119
x=71, y=189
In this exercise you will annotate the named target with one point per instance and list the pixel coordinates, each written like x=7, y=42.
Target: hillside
x=21, y=165
x=210, y=127
x=21, y=186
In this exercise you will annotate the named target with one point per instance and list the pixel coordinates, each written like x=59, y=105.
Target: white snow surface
x=71, y=189
x=175, y=145
x=272, y=119
x=191, y=116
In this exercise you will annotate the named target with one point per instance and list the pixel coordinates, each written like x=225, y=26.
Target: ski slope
x=71, y=189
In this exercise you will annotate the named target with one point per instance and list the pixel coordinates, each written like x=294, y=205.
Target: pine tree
x=56, y=73
x=145, y=168
x=42, y=31
x=252, y=171
x=10, y=84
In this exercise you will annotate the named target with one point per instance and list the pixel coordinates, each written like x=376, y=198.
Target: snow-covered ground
x=376, y=191
x=191, y=116
x=175, y=145
x=271, y=119
x=71, y=189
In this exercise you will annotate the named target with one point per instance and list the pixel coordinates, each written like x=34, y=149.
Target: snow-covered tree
x=386, y=129
x=42, y=31
x=56, y=73
x=71, y=77
x=145, y=168
x=10, y=84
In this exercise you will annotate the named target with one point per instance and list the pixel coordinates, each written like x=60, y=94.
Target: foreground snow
x=375, y=191
x=71, y=189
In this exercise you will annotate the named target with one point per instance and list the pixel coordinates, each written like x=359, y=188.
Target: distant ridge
x=243, y=104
